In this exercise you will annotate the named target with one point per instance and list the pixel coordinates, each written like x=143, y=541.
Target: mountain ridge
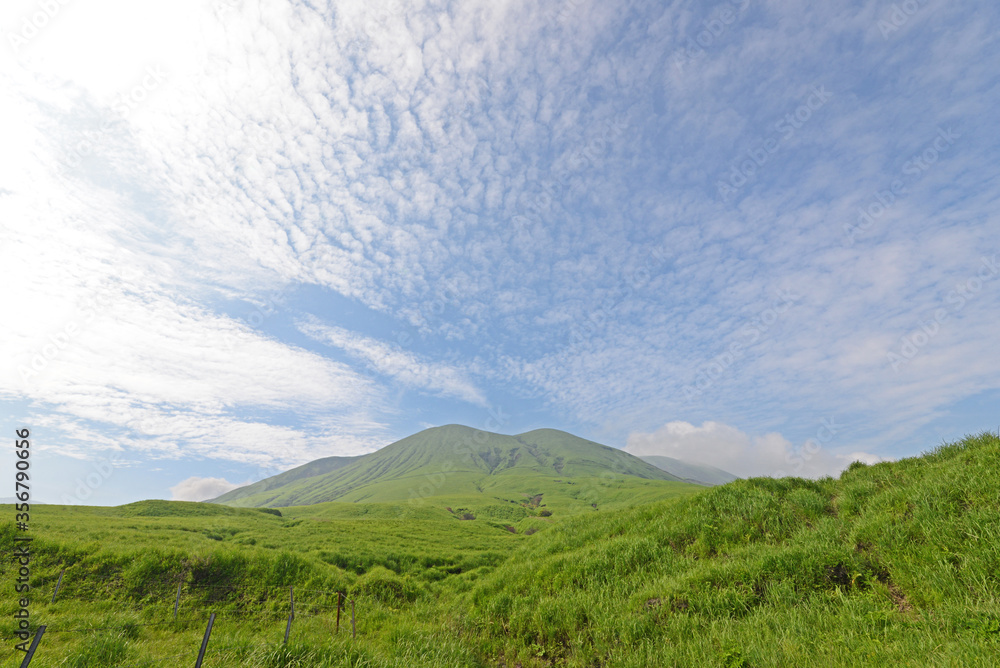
x=448, y=460
x=702, y=474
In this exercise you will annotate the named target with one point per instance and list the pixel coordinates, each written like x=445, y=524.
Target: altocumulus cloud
x=200, y=489
x=741, y=454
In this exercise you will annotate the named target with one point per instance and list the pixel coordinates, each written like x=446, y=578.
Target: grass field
x=896, y=563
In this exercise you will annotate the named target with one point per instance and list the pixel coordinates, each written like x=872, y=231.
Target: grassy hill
x=892, y=564
x=460, y=465
x=696, y=473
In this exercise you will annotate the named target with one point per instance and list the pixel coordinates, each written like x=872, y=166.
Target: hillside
x=312, y=469
x=701, y=474
x=892, y=564
x=465, y=465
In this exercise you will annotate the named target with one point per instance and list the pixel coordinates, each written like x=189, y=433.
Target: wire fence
x=249, y=608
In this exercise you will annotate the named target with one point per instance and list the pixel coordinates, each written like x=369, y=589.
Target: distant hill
x=160, y=508
x=697, y=473
x=462, y=463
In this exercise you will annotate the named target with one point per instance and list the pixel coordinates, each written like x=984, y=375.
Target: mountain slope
x=455, y=460
x=697, y=473
x=312, y=469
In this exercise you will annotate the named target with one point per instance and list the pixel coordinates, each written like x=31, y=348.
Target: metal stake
x=291, y=614
x=34, y=646
x=57, y=586
x=178, y=601
x=204, y=642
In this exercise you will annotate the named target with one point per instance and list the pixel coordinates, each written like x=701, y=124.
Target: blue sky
x=240, y=235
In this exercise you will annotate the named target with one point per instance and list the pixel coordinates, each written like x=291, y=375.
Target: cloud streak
x=401, y=366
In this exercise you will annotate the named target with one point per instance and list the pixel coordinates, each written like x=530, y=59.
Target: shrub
x=385, y=586
x=270, y=511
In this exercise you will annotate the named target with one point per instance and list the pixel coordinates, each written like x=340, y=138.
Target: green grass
x=892, y=564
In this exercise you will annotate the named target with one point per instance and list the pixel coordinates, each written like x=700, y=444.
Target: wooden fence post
x=354, y=631
x=34, y=646
x=61, y=573
x=291, y=613
x=204, y=642
x=178, y=601
x=339, y=602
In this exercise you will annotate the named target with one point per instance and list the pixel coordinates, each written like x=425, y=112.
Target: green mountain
x=702, y=474
x=468, y=466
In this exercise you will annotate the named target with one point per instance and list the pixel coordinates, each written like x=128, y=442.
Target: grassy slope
x=460, y=460
x=312, y=469
x=896, y=563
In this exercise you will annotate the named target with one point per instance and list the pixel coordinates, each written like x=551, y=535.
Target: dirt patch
x=838, y=575
x=903, y=604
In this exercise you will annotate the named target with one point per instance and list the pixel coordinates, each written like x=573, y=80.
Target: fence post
x=204, y=642
x=340, y=600
x=34, y=646
x=178, y=601
x=61, y=573
x=291, y=613
x=354, y=631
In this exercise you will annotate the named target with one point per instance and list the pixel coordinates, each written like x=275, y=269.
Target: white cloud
x=200, y=489
x=741, y=454
x=402, y=366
